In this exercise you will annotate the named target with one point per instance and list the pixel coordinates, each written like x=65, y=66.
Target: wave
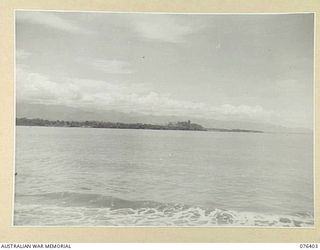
x=82, y=209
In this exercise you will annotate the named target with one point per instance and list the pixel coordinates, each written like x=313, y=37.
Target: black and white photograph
x=132, y=119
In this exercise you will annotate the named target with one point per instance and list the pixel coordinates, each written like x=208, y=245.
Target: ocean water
x=119, y=177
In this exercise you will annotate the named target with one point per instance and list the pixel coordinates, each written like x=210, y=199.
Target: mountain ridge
x=60, y=112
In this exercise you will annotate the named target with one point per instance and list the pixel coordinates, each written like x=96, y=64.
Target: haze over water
x=119, y=177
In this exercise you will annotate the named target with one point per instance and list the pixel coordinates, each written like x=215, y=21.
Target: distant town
x=181, y=125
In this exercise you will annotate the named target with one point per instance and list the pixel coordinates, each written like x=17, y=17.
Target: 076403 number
x=308, y=246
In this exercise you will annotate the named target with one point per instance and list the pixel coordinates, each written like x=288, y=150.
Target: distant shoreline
x=188, y=126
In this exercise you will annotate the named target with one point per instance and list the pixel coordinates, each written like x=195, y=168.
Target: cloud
x=162, y=28
x=37, y=88
x=49, y=19
x=154, y=103
x=111, y=66
x=22, y=54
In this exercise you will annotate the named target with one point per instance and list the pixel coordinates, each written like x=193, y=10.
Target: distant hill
x=59, y=112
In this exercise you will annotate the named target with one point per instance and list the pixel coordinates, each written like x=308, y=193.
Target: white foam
x=37, y=215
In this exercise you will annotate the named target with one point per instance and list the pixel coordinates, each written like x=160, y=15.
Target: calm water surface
x=115, y=177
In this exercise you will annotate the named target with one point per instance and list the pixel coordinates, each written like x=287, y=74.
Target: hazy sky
x=230, y=67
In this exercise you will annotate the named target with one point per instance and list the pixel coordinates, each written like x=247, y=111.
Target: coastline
x=186, y=126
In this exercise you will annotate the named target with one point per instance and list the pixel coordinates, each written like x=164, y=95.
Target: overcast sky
x=229, y=67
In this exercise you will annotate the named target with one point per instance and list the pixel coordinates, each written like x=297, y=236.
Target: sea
x=128, y=177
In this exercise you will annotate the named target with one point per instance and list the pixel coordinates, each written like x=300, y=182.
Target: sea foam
x=78, y=209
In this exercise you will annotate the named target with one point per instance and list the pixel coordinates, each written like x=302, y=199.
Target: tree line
x=182, y=125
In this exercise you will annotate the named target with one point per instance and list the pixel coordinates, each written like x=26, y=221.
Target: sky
x=256, y=68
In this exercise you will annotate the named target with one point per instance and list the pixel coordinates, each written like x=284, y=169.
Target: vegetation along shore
x=182, y=125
